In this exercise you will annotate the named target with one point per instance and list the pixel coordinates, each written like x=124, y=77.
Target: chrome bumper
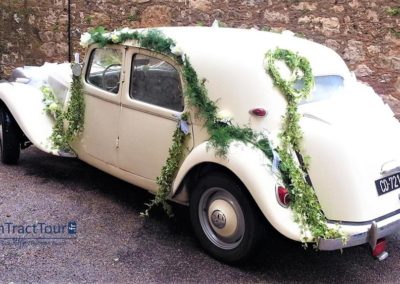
x=371, y=237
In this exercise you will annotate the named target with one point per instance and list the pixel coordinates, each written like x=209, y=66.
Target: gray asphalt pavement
x=113, y=243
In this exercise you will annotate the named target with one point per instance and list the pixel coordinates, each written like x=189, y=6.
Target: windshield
x=325, y=87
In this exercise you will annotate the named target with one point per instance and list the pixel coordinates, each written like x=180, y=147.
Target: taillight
x=379, y=248
x=282, y=194
x=259, y=112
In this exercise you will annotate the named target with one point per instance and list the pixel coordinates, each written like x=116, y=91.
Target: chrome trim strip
x=363, y=223
x=172, y=117
x=67, y=154
x=316, y=118
x=102, y=98
x=392, y=170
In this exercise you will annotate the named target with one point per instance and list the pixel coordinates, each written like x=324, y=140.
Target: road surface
x=113, y=243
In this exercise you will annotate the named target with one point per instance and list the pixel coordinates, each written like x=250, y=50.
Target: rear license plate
x=388, y=184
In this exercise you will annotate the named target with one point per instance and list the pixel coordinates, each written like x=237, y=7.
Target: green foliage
x=168, y=171
x=264, y=145
x=97, y=35
x=151, y=39
x=197, y=95
x=54, y=108
x=305, y=205
x=395, y=11
x=155, y=40
x=73, y=116
x=52, y=105
x=301, y=69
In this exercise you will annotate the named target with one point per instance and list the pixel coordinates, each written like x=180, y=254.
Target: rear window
x=325, y=88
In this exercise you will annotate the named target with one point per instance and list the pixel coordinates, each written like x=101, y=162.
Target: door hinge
x=117, y=143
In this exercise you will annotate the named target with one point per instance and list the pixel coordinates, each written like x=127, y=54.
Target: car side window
x=156, y=82
x=104, y=69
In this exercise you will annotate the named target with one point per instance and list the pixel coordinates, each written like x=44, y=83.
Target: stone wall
x=365, y=32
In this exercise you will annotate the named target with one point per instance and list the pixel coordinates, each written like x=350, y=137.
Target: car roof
x=201, y=43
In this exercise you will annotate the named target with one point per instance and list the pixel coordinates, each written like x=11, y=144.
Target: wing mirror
x=76, y=66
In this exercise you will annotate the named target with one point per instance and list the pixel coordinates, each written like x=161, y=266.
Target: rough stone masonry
x=366, y=33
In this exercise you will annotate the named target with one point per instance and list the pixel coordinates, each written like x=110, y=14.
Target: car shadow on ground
x=278, y=259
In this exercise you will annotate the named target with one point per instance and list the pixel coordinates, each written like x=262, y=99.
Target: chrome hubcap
x=218, y=219
x=221, y=218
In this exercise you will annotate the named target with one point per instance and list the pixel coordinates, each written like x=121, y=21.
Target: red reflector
x=259, y=112
x=379, y=248
x=283, y=196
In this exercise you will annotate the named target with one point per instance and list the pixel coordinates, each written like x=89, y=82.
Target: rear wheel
x=9, y=138
x=224, y=218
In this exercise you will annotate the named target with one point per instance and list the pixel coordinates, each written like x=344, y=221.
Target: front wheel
x=224, y=218
x=9, y=142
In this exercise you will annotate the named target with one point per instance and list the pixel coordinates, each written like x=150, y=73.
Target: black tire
x=215, y=197
x=9, y=138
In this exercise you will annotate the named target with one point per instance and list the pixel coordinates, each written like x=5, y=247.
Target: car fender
x=26, y=106
x=253, y=168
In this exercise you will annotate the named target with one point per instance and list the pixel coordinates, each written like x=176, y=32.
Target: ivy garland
x=73, y=116
x=168, y=171
x=152, y=39
x=305, y=205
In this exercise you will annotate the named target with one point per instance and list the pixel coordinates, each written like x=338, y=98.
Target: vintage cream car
x=134, y=98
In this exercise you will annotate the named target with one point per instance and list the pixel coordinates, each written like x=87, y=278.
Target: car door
x=102, y=85
x=152, y=102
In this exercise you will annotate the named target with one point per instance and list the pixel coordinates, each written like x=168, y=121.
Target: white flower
x=224, y=116
x=86, y=40
x=177, y=50
x=115, y=38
